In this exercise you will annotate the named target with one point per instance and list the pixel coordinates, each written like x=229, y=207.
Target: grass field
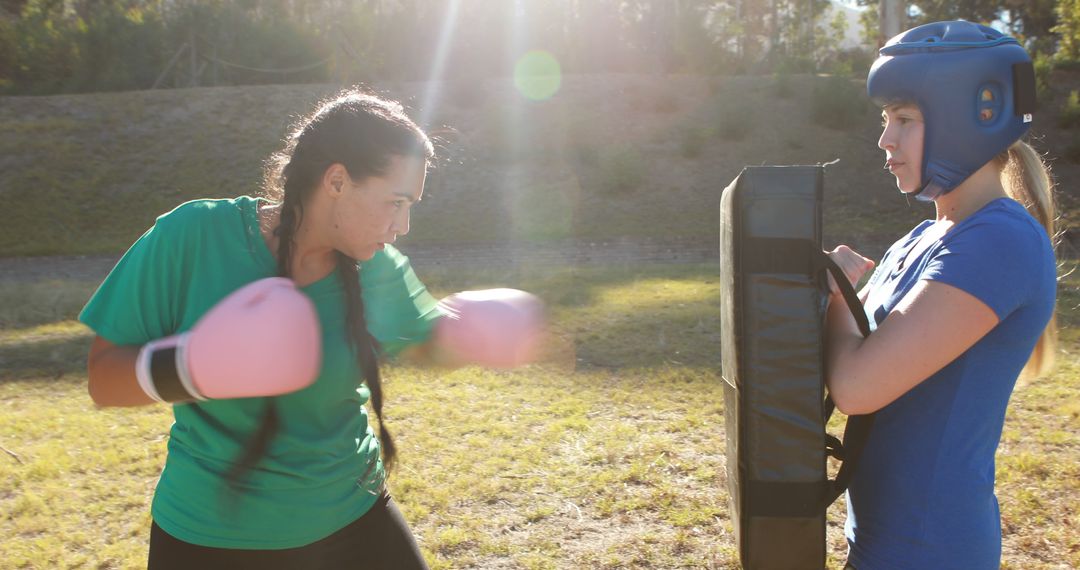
x=608, y=454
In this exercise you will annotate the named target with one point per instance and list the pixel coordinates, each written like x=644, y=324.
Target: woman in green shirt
x=290, y=476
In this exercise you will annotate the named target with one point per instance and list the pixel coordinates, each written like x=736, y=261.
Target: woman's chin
x=906, y=186
x=369, y=252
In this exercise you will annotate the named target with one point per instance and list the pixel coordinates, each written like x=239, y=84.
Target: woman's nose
x=401, y=224
x=886, y=140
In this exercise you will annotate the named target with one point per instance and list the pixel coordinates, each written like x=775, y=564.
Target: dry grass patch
x=608, y=454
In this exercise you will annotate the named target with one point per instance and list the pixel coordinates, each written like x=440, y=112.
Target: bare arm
x=111, y=370
x=932, y=326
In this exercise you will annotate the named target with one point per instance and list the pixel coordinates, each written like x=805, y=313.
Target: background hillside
x=609, y=156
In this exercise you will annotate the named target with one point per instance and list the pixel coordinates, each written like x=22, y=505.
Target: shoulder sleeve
x=140, y=299
x=1001, y=261
x=399, y=309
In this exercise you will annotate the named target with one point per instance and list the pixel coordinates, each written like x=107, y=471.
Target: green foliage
x=1068, y=29
x=55, y=46
x=868, y=25
x=110, y=48
x=1044, y=67
x=983, y=11
x=853, y=63
x=118, y=50
x=1072, y=151
x=695, y=45
x=8, y=47
x=829, y=35
x=1069, y=116
x=791, y=64
x=239, y=46
x=838, y=103
x=46, y=52
x=116, y=46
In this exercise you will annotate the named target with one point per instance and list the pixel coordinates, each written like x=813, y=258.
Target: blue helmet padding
x=945, y=68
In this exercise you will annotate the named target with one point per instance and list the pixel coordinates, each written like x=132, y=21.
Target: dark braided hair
x=362, y=132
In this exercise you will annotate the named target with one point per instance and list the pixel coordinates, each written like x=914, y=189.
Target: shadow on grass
x=616, y=317
x=686, y=335
x=568, y=287
x=45, y=358
x=643, y=331
x=621, y=316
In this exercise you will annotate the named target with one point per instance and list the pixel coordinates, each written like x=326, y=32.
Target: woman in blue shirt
x=960, y=306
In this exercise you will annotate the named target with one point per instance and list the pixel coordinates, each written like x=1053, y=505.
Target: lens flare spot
x=537, y=75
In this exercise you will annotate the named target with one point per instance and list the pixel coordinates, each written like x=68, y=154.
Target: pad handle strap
x=857, y=430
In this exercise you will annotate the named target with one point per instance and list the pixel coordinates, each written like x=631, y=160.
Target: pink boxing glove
x=261, y=340
x=498, y=328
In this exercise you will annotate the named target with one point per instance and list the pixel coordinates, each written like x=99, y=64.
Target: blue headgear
x=975, y=87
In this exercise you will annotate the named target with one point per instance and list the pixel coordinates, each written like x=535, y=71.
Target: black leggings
x=378, y=540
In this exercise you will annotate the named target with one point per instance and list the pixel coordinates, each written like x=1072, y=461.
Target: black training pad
x=772, y=323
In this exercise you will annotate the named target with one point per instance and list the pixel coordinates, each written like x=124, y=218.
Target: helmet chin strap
x=929, y=192
x=926, y=193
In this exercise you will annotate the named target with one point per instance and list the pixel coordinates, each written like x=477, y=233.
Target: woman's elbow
x=106, y=366
x=95, y=397
x=851, y=401
x=850, y=406
x=94, y=387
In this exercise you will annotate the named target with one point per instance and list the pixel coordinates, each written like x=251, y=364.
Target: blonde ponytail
x=1026, y=179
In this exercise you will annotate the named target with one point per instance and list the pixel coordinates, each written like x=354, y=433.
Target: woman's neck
x=981, y=188
x=310, y=262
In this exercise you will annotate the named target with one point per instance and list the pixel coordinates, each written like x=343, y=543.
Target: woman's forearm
x=112, y=380
x=843, y=341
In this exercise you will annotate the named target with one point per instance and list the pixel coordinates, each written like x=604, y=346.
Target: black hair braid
x=256, y=447
x=292, y=212
x=361, y=132
x=366, y=352
x=270, y=424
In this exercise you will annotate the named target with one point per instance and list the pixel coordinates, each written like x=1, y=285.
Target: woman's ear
x=334, y=179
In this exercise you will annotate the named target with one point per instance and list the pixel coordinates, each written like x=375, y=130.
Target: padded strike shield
x=773, y=299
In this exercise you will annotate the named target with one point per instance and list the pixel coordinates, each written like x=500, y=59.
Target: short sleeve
x=139, y=300
x=399, y=309
x=998, y=261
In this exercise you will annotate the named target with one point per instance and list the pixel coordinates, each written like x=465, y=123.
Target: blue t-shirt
x=923, y=494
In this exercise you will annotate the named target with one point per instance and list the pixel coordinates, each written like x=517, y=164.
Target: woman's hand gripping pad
x=497, y=328
x=261, y=340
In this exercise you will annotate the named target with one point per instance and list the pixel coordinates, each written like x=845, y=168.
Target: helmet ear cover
x=975, y=87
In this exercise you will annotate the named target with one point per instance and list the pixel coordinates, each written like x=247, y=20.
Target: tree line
x=63, y=46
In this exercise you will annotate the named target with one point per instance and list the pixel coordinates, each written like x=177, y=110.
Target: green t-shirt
x=308, y=484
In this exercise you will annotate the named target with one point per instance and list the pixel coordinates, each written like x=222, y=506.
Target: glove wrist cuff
x=162, y=371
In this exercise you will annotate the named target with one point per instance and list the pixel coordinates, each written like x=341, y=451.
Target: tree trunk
x=892, y=19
